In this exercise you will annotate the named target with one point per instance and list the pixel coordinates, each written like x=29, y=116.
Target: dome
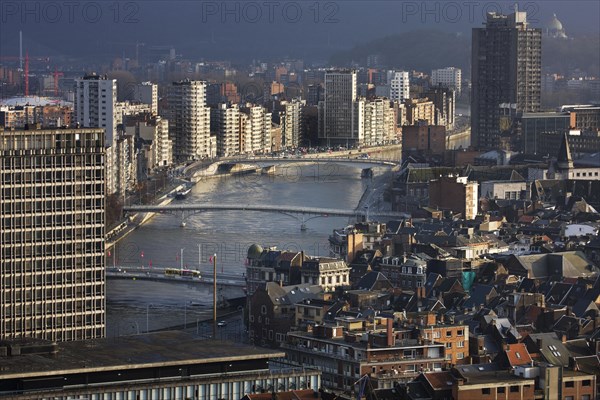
x=555, y=24
x=254, y=251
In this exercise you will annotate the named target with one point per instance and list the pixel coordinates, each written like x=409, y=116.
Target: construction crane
x=363, y=382
x=56, y=75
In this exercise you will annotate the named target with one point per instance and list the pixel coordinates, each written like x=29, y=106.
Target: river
x=131, y=305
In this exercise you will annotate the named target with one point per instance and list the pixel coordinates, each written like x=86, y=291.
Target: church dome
x=254, y=252
x=555, y=24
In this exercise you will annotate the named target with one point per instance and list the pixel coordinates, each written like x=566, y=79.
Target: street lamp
x=147, y=316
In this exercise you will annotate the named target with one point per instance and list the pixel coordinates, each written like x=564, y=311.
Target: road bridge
x=301, y=214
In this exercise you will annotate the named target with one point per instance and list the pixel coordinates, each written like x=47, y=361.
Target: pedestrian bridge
x=301, y=214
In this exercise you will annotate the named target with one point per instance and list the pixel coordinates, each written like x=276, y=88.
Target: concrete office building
x=506, y=69
x=52, y=202
x=450, y=77
x=163, y=365
x=340, y=117
x=189, y=120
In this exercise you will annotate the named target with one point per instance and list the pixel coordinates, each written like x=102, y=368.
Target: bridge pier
x=269, y=170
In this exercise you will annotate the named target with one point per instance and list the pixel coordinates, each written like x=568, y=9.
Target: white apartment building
x=379, y=122
x=95, y=101
x=399, y=83
x=227, y=129
x=450, y=77
x=189, y=120
x=95, y=107
x=147, y=93
x=291, y=122
x=255, y=125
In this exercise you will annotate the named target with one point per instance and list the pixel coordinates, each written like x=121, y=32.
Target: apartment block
x=189, y=120
x=52, y=207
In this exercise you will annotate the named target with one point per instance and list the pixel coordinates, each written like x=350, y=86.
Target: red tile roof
x=517, y=354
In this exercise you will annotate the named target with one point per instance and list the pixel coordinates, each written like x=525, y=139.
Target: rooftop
x=130, y=352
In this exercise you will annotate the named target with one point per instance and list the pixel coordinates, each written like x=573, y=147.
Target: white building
x=255, y=125
x=290, y=120
x=95, y=102
x=227, y=129
x=449, y=77
x=189, y=120
x=147, y=93
x=399, y=84
x=95, y=107
x=379, y=123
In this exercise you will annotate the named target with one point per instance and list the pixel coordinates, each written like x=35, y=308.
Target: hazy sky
x=239, y=29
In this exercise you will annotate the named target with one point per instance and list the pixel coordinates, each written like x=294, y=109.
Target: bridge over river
x=301, y=214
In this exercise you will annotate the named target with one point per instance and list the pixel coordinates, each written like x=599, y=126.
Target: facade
x=52, y=239
x=407, y=273
x=340, y=114
x=272, y=310
x=379, y=122
x=272, y=265
x=427, y=138
x=154, y=132
x=455, y=339
x=455, y=193
x=508, y=190
x=189, y=120
x=328, y=273
x=95, y=105
x=450, y=77
x=399, y=85
x=147, y=93
x=506, y=70
x=420, y=111
x=255, y=129
x=226, y=122
x=444, y=101
x=290, y=120
x=165, y=365
x=346, y=351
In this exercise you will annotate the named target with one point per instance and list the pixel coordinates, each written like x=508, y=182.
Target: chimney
x=391, y=339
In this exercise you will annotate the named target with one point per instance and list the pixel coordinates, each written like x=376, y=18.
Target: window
x=502, y=389
x=460, y=344
x=586, y=382
x=448, y=345
x=459, y=332
x=448, y=333
x=570, y=384
x=460, y=356
x=486, y=391
x=514, y=389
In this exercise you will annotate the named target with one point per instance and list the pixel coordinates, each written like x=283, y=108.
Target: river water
x=134, y=305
